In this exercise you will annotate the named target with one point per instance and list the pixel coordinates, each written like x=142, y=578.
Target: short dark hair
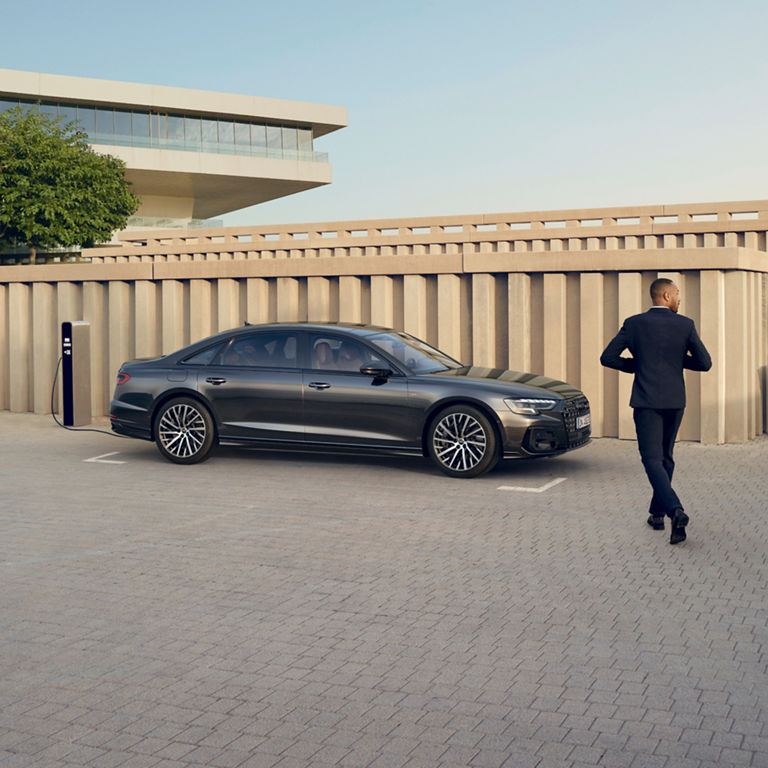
x=659, y=285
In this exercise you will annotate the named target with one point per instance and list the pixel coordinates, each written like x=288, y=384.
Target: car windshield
x=416, y=355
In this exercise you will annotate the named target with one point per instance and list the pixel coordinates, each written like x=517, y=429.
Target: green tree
x=54, y=189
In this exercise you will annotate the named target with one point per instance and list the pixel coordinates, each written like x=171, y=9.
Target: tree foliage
x=54, y=189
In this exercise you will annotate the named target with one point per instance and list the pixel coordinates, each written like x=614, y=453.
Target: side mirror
x=377, y=370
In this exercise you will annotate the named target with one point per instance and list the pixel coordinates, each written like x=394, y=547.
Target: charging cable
x=76, y=429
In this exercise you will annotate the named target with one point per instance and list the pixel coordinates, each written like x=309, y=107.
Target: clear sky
x=456, y=107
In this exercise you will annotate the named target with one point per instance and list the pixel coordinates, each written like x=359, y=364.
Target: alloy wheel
x=182, y=431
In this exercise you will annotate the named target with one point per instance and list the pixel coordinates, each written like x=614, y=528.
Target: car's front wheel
x=184, y=431
x=462, y=442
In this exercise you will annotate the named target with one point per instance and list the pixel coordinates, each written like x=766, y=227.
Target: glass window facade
x=191, y=133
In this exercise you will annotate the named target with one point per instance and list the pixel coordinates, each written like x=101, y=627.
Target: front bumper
x=547, y=434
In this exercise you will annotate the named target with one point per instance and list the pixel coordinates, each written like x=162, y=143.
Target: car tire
x=462, y=442
x=184, y=431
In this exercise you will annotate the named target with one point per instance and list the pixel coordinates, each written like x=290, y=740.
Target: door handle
x=319, y=385
x=216, y=380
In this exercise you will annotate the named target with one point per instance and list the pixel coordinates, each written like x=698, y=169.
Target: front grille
x=575, y=407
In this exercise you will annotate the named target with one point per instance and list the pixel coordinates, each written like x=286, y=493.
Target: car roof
x=359, y=329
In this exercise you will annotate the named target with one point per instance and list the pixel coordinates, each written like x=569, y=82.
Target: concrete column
x=4, y=362
x=121, y=346
x=173, y=336
x=450, y=315
x=630, y=303
x=611, y=324
x=383, y=301
x=350, y=300
x=318, y=299
x=737, y=374
x=260, y=307
x=555, y=322
x=46, y=334
x=483, y=320
x=287, y=299
x=20, y=346
x=95, y=312
x=592, y=323
x=415, y=305
x=200, y=310
x=519, y=300
x=148, y=330
x=228, y=304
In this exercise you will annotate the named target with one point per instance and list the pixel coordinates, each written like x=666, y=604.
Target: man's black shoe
x=679, y=521
x=657, y=523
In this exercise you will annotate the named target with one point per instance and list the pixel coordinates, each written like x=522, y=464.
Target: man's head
x=665, y=293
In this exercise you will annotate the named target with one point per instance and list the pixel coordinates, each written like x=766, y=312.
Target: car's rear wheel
x=462, y=442
x=184, y=431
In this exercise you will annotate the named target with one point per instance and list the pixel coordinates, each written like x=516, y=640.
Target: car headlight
x=530, y=405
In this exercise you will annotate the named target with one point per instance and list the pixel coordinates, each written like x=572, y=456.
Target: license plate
x=583, y=421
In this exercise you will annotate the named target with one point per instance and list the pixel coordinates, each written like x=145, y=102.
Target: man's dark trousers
x=656, y=432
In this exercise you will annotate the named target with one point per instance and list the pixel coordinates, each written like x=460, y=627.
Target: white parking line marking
x=543, y=488
x=102, y=460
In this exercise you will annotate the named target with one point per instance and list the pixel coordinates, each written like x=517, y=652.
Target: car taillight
x=122, y=378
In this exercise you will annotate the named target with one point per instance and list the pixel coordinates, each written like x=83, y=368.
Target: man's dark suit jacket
x=662, y=344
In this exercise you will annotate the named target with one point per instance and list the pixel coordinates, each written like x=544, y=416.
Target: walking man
x=662, y=343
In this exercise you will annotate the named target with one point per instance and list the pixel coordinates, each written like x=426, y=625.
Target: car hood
x=505, y=379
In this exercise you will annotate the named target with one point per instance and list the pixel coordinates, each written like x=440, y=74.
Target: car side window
x=331, y=353
x=203, y=358
x=262, y=350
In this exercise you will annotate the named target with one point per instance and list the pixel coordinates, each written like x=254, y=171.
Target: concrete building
x=190, y=155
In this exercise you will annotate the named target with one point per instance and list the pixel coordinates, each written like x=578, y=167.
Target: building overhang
x=217, y=183
x=322, y=118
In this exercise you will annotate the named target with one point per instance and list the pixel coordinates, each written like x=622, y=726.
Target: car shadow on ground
x=506, y=469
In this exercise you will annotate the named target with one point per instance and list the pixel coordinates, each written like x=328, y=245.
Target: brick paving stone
x=230, y=614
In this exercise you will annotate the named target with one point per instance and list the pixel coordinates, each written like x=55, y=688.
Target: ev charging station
x=76, y=373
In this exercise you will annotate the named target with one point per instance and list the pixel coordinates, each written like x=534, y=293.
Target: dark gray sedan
x=340, y=386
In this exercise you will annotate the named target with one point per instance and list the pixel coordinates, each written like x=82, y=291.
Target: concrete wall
x=541, y=291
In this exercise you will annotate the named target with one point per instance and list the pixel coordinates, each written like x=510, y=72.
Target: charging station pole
x=76, y=373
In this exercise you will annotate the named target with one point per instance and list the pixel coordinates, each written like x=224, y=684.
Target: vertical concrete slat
x=591, y=329
x=555, y=319
x=382, y=301
x=573, y=329
x=483, y=320
x=46, y=345
x=147, y=329
x=287, y=299
x=95, y=312
x=228, y=304
x=120, y=325
x=611, y=324
x=754, y=380
x=519, y=303
x=350, y=300
x=258, y=300
x=415, y=305
x=172, y=314
x=449, y=315
x=690, y=429
x=20, y=346
x=630, y=303
x=200, y=310
x=736, y=374
x=712, y=333
x=318, y=299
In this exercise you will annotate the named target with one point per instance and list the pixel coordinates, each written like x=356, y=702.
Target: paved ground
x=299, y=610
